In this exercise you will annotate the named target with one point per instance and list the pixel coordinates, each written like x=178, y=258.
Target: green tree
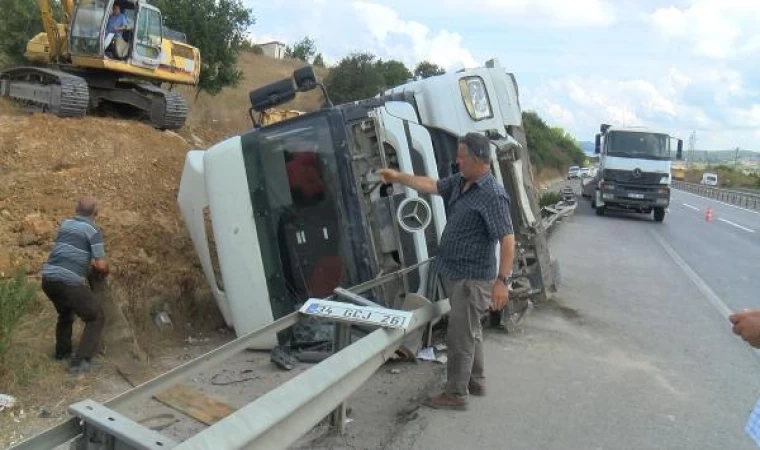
x=319, y=60
x=394, y=72
x=426, y=69
x=20, y=21
x=305, y=49
x=355, y=77
x=250, y=46
x=550, y=147
x=218, y=28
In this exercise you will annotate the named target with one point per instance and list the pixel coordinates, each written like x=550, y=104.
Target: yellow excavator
x=84, y=62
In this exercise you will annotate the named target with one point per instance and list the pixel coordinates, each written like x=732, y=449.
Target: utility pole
x=692, y=145
x=736, y=157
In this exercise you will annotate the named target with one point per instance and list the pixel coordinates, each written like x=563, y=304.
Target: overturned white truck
x=296, y=210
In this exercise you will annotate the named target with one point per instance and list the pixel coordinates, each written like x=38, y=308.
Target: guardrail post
x=341, y=340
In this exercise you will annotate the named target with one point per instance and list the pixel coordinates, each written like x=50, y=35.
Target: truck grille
x=627, y=176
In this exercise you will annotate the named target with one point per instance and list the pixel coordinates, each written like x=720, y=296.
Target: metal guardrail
x=274, y=420
x=744, y=199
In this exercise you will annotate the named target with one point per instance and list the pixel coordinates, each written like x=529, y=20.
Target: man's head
x=116, y=10
x=87, y=207
x=473, y=156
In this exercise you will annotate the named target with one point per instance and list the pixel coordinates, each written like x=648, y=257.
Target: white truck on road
x=634, y=170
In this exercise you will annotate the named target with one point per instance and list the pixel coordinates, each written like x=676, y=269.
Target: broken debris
x=6, y=402
x=283, y=359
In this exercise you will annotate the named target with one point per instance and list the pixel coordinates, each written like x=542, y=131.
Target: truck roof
x=632, y=129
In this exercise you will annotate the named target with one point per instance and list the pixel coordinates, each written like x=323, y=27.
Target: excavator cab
x=139, y=45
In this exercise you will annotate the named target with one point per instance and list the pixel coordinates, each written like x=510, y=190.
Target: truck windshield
x=293, y=178
x=638, y=145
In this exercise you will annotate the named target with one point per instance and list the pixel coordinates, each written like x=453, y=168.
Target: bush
x=15, y=296
x=549, y=199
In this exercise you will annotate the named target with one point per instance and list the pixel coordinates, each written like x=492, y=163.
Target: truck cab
x=634, y=170
x=292, y=210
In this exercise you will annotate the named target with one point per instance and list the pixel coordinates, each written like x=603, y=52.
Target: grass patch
x=27, y=336
x=16, y=295
x=549, y=199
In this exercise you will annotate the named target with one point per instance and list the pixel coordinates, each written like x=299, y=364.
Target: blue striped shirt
x=78, y=242
x=476, y=220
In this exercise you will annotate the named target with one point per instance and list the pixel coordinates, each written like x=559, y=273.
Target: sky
x=678, y=66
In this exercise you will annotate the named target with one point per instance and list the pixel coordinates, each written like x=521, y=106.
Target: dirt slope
x=225, y=114
x=47, y=163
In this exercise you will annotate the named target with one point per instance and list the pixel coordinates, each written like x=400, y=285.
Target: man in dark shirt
x=78, y=248
x=478, y=218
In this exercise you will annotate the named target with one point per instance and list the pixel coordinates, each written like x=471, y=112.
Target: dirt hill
x=47, y=163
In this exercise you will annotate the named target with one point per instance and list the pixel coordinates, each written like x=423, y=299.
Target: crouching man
x=78, y=249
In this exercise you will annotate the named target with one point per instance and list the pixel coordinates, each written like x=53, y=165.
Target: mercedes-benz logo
x=414, y=214
x=637, y=173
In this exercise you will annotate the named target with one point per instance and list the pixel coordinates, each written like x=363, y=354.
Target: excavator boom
x=51, y=27
x=68, y=9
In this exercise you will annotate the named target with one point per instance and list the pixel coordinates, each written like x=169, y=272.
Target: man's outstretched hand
x=388, y=175
x=747, y=325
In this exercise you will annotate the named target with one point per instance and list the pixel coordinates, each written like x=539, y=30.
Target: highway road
x=634, y=353
x=725, y=251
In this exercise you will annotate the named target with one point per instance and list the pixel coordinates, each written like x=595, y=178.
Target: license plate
x=344, y=312
x=634, y=195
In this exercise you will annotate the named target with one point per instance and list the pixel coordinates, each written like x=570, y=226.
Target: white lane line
x=691, y=206
x=716, y=301
x=717, y=201
x=736, y=225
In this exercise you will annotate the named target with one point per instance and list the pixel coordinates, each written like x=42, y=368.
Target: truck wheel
x=659, y=214
x=600, y=210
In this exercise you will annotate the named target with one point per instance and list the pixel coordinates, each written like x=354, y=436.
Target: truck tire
x=659, y=214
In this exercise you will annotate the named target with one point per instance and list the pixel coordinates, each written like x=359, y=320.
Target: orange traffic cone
x=708, y=214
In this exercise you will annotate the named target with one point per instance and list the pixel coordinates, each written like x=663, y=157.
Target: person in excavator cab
x=117, y=24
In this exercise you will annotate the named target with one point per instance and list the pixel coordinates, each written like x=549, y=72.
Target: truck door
x=411, y=142
x=148, y=35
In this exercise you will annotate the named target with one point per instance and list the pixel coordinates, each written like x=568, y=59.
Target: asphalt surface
x=634, y=353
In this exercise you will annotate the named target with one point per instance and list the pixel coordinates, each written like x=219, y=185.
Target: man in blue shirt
x=473, y=278
x=78, y=249
x=117, y=22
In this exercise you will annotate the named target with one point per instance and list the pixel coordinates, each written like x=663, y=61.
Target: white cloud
x=558, y=13
x=714, y=28
x=707, y=101
x=343, y=26
x=412, y=41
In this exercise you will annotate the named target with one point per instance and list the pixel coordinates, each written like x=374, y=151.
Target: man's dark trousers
x=68, y=301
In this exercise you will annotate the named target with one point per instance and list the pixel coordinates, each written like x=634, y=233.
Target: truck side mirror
x=679, y=152
x=598, y=144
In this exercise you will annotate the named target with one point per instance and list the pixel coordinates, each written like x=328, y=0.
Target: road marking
x=736, y=225
x=691, y=206
x=716, y=301
x=716, y=201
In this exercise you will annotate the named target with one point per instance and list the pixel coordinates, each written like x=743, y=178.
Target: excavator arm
x=51, y=26
x=68, y=9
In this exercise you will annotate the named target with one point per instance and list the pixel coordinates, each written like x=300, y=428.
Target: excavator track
x=169, y=109
x=46, y=90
